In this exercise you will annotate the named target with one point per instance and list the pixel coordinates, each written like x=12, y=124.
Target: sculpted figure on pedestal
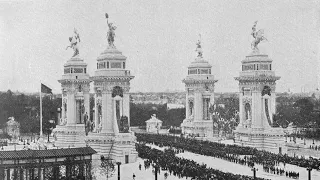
x=111, y=33
x=74, y=43
x=199, y=49
x=258, y=37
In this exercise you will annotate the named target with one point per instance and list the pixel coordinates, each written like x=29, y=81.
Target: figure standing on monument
x=86, y=123
x=258, y=37
x=199, y=49
x=111, y=33
x=74, y=43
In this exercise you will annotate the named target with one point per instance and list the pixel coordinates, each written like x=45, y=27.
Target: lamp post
x=254, y=172
x=118, y=163
x=155, y=171
x=309, y=169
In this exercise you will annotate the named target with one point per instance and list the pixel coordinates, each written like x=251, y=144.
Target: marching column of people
x=180, y=167
x=226, y=151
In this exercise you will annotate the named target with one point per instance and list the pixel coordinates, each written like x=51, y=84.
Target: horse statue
x=258, y=37
x=74, y=40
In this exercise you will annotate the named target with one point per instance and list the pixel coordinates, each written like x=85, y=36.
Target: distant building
x=12, y=128
x=175, y=106
x=153, y=124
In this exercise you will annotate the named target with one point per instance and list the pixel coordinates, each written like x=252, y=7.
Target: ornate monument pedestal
x=120, y=147
x=75, y=84
x=70, y=136
x=257, y=83
x=111, y=136
x=199, y=85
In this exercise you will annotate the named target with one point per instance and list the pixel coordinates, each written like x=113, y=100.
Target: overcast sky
x=158, y=38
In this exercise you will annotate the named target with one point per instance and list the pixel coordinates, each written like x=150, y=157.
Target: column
x=110, y=113
x=187, y=106
x=211, y=102
x=96, y=117
x=241, y=109
x=273, y=103
x=121, y=107
x=256, y=101
x=68, y=173
x=86, y=102
x=198, y=106
x=21, y=174
x=212, y=98
x=2, y=172
x=114, y=109
x=26, y=173
x=78, y=112
x=264, y=120
x=71, y=108
x=257, y=111
x=104, y=109
x=41, y=172
x=62, y=111
x=6, y=174
x=126, y=106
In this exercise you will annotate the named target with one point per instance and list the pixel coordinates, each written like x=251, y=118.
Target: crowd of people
x=314, y=147
x=180, y=167
x=281, y=172
x=226, y=151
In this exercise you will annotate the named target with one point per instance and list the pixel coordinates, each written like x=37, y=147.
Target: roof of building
x=27, y=154
x=153, y=119
x=12, y=122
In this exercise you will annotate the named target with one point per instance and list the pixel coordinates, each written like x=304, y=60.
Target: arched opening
x=80, y=111
x=99, y=114
x=247, y=108
x=117, y=95
x=266, y=90
x=191, y=108
x=65, y=111
x=117, y=91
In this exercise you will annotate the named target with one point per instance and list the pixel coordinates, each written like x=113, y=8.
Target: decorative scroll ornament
x=99, y=102
x=247, y=100
x=266, y=91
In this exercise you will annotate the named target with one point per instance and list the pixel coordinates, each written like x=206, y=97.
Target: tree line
x=25, y=110
x=301, y=111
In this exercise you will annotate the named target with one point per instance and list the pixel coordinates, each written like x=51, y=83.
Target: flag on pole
x=45, y=89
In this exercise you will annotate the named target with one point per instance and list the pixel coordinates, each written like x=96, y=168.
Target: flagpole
x=40, y=111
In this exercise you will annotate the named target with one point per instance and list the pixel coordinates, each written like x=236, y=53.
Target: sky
x=159, y=40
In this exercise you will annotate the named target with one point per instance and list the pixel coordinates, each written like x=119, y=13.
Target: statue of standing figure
x=111, y=33
x=258, y=37
x=74, y=43
x=199, y=49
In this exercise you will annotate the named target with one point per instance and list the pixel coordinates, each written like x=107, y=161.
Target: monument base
x=271, y=139
x=119, y=147
x=202, y=128
x=69, y=136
